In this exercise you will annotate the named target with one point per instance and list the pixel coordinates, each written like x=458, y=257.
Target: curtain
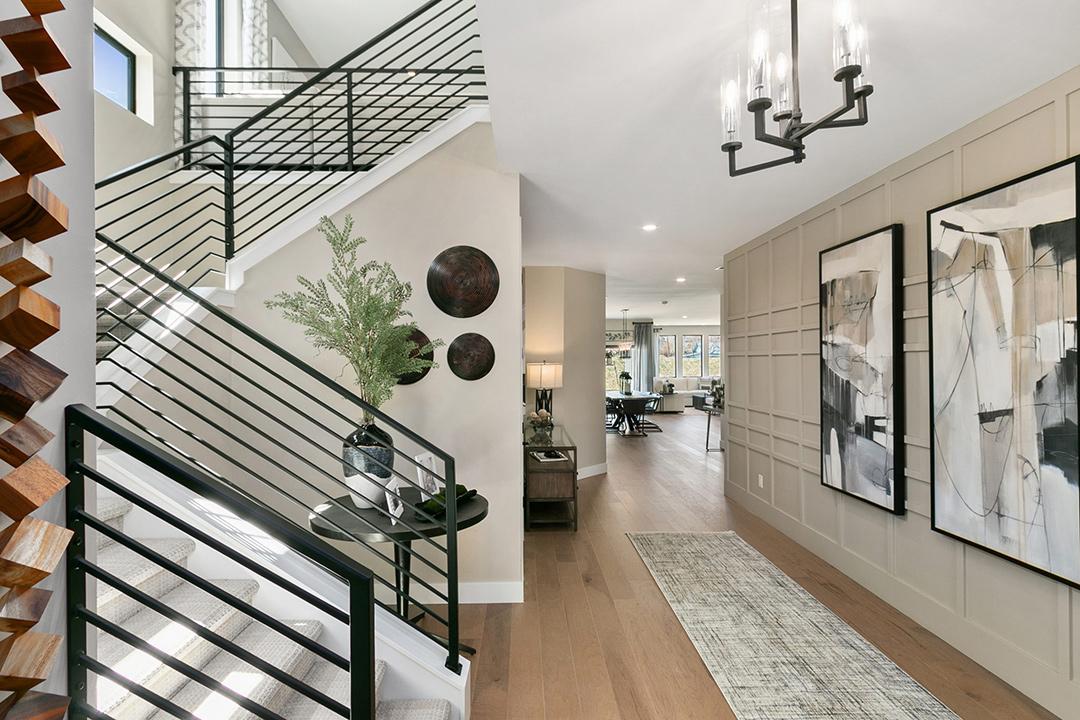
x=642, y=357
x=193, y=46
x=255, y=42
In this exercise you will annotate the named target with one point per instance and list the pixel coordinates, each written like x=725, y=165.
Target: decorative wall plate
x=470, y=356
x=463, y=281
x=421, y=340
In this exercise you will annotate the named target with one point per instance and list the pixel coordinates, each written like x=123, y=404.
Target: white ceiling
x=608, y=109
x=331, y=29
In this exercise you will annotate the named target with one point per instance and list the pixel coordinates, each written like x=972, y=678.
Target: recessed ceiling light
x=718, y=267
x=650, y=227
x=685, y=316
x=680, y=279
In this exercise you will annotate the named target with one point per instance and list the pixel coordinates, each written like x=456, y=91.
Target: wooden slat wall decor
x=30, y=548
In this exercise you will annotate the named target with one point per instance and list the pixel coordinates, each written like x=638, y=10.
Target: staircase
x=201, y=655
x=194, y=404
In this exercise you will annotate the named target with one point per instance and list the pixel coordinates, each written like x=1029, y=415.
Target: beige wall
x=122, y=139
x=1019, y=624
x=564, y=322
x=455, y=196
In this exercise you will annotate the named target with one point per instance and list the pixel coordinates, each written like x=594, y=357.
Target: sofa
x=685, y=389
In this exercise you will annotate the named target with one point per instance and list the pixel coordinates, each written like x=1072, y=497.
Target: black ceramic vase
x=369, y=450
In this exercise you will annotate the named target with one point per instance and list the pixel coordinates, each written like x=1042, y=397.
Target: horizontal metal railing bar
x=219, y=546
x=330, y=500
x=209, y=588
x=370, y=44
x=171, y=209
x=303, y=542
x=202, y=396
x=134, y=688
x=157, y=159
x=284, y=355
x=160, y=178
x=173, y=448
x=359, y=119
x=177, y=69
x=123, y=320
x=172, y=663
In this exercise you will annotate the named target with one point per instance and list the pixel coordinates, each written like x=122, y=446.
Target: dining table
x=629, y=410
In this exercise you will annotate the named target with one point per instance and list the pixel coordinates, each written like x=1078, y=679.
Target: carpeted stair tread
x=111, y=509
x=177, y=640
x=245, y=679
x=144, y=574
x=412, y=710
x=334, y=682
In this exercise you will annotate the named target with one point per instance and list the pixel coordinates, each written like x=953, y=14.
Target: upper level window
x=114, y=70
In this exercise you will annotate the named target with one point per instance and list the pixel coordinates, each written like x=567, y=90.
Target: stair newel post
x=230, y=198
x=453, y=660
x=362, y=648
x=349, y=125
x=186, y=111
x=75, y=500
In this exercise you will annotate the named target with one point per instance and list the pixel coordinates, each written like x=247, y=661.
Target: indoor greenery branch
x=358, y=311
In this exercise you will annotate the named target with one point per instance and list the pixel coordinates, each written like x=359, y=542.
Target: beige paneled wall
x=1019, y=624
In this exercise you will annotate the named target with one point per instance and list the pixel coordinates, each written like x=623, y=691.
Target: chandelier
x=772, y=83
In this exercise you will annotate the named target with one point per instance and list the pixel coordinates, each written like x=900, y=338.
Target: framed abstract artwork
x=861, y=343
x=1003, y=351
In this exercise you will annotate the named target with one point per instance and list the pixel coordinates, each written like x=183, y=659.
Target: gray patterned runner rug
x=774, y=650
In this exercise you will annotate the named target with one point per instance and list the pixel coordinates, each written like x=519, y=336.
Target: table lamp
x=543, y=377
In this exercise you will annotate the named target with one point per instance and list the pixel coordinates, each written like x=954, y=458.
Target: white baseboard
x=587, y=472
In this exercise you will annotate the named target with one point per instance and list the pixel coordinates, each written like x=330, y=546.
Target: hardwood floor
x=595, y=638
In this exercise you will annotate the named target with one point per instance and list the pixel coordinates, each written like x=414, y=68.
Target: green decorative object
x=436, y=506
x=358, y=311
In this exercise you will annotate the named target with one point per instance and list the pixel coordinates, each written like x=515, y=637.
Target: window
x=691, y=356
x=114, y=70
x=616, y=362
x=665, y=355
x=714, y=356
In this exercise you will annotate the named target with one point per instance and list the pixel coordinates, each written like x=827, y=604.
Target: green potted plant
x=358, y=311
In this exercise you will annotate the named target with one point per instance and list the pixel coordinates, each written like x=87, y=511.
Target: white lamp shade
x=543, y=375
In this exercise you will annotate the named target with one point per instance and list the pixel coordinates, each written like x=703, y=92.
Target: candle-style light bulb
x=731, y=111
x=759, y=71
x=847, y=50
x=783, y=89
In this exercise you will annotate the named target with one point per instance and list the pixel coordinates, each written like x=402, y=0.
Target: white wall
x=455, y=196
x=72, y=283
x=564, y=322
x=1020, y=625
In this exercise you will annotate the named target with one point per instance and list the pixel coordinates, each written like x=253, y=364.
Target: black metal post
x=453, y=660
x=362, y=648
x=186, y=120
x=78, y=677
x=349, y=125
x=230, y=199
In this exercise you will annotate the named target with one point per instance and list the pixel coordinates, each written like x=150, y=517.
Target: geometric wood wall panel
x=25, y=379
x=23, y=263
x=29, y=210
x=30, y=550
x=759, y=279
x=785, y=269
x=22, y=441
x=30, y=43
x=27, y=319
x=24, y=89
x=865, y=213
x=28, y=487
x=28, y=146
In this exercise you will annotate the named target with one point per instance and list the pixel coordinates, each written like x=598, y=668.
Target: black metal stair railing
x=84, y=429
x=194, y=385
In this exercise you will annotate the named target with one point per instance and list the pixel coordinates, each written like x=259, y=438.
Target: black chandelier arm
x=861, y=119
x=759, y=108
x=797, y=156
x=851, y=101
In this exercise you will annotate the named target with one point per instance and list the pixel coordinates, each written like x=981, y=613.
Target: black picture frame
x=1075, y=163
x=896, y=283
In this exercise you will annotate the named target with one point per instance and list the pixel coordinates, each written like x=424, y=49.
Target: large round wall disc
x=463, y=281
x=421, y=341
x=470, y=356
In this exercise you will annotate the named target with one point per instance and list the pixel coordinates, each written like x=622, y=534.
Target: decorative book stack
x=30, y=548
